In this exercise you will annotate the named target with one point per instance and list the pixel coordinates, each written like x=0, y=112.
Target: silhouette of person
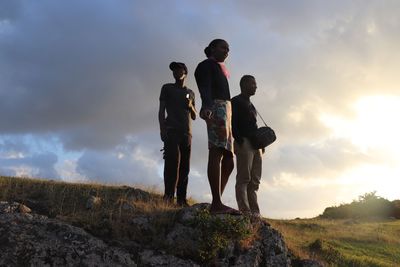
x=176, y=133
x=211, y=78
x=248, y=159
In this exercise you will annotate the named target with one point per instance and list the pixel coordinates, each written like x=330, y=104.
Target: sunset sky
x=80, y=82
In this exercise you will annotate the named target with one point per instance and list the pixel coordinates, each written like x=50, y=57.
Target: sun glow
x=376, y=132
x=375, y=125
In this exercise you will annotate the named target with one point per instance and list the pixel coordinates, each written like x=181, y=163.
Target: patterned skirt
x=219, y=127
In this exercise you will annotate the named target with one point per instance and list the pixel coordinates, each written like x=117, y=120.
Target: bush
x=396, y=209
x=217, y=233
x=368, y=205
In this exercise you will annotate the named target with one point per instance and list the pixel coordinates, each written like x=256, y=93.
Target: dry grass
x=343, y=242
x=335, y=242
x=124, y=215
x=109, y=218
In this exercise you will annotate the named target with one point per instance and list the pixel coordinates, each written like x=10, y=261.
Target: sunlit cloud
x=80, y=104
x=374, y=125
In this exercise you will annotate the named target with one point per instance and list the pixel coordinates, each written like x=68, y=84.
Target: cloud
x=326, y=160
x=18, y=159
x=86, y=76
x=66, y=76
x=130, y=163
x=72, y=74
x=9, y=9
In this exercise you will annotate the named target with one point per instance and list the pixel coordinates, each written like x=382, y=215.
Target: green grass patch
x=343, y=242
x=218, y=232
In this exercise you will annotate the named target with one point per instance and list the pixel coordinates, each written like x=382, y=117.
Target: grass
x=68, y=201
x=113, y=210
x=343, y=242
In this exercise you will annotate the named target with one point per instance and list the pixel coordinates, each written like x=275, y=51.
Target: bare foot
x=223, y=209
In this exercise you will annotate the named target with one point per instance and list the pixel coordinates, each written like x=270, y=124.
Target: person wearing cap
x=212, y=81
x=178, y=102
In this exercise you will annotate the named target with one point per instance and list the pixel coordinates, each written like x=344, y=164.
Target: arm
x=235, y=122
x=204, y=83
x=161, y=113
x=192, y=106
x=161, y=120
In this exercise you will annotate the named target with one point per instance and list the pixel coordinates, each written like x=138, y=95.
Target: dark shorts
x=219, y=127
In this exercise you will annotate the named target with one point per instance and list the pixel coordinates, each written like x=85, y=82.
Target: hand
x=163, y=135
x=206, y=114
x=190, y=103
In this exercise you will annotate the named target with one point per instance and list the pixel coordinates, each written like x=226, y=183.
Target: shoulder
x=166, y=91
x=205, y=64
x=236, y=99
x=167, y=86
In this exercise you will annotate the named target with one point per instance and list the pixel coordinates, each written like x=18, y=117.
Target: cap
x=176, y=65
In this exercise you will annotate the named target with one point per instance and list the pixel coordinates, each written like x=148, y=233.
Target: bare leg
x=227, y=166
x=215, y=158
x=214, y=173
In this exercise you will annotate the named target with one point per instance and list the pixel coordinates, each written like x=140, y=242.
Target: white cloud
x=85, y=77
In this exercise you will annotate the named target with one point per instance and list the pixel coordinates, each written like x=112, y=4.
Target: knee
x=228, y=157
x=254, y=186
x=242, y=180
x=215, y=153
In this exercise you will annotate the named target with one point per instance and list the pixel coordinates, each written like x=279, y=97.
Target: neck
x=245, y=95
x=213, y=58
x=180, y=83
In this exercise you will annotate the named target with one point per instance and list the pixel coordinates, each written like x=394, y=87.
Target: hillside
x=365, y=232
x=64, y=224
x=69, y=223
x=344, y=242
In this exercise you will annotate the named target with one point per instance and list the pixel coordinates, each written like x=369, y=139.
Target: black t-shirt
x=211, y=82
x=244, y=117
x=176, y=104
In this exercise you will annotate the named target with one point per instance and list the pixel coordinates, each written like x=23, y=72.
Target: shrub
x=368, y=205
x=396, y=209
x=218, y=232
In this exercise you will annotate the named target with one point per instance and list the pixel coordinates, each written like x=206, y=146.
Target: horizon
x=153, y=190
x=80, y=83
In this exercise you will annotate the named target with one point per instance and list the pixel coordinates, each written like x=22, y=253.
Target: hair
x=244, y=80
x=213, y=44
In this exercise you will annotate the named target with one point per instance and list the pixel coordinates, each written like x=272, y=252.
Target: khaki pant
x=249, y=165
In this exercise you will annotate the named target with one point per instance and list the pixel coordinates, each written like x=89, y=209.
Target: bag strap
x=260, y=116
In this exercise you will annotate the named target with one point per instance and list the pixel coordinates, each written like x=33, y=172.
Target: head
x=217, y=49
x=179, y=70
x=248, y=85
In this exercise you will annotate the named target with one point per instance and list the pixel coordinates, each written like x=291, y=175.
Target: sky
x=80, y=84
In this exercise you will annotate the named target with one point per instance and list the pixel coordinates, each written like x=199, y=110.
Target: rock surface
x=35, y=240
x=267, y=250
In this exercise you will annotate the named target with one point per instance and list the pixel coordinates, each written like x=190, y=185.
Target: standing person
x=211, y=78
x=248, y=159
x=175, y=131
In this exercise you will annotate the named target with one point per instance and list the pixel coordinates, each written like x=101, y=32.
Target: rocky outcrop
x=28, y=239
x=268, y=249
x=161, y=258
x=35, y=240
x=184, y=240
